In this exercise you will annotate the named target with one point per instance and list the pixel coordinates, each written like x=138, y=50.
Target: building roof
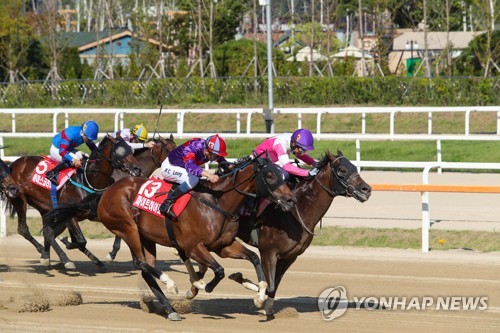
x=436, y=40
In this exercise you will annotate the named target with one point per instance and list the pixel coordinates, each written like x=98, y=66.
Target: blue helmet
x=90, y=129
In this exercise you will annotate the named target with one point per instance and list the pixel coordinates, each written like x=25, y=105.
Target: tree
x=15, y=39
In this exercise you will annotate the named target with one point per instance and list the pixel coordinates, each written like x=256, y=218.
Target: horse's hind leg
x=160, y=296
x=150, y=255
x=237, y=251
x=22, y=229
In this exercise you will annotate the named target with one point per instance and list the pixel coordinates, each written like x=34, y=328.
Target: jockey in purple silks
x=182, y=166
x=64, y=144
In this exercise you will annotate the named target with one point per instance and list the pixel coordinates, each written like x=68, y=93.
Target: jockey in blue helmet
x=64, y=146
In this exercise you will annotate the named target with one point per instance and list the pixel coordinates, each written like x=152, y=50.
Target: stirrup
x=52, y=176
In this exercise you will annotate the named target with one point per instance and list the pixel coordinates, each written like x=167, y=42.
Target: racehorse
x=285, y=236
x=149, y=160
x=208, y=223
x=95, y=175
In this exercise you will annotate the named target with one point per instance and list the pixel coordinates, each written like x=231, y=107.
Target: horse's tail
x=85, y=209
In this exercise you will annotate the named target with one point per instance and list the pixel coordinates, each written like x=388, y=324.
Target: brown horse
x=149, y=160
x=285, y=236
x=208, y=223
x=95, y=175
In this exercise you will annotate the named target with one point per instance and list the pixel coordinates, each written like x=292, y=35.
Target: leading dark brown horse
x=285, y=236
x=95, y=175
x=208, y=223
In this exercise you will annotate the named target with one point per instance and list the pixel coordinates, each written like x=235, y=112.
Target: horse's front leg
x=49, y=235
x=238, y=251
x=78, y=241
x=116, y=247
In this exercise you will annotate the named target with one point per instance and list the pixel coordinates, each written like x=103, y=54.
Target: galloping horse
x=208, y=223
x=94, y=175
x=285, y=236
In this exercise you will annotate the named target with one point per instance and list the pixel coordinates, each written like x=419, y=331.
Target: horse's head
x=7, y=184
x=271, y=184
x=344, y=177
x=119, y=154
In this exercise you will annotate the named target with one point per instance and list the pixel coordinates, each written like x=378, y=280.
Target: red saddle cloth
x=47, y=164
x=152, y=194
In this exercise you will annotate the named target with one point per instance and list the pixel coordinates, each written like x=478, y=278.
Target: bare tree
x=49, y=22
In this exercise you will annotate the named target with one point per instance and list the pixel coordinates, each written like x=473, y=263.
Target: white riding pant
x=177, y=174
x=54, y=154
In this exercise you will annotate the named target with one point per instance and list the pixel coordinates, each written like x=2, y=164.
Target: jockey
x=182, y=166
x=135, y=137
x=298, y=144
x=63, y=149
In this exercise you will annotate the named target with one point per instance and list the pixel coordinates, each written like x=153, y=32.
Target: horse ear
x=171, y=137
x=339, y=152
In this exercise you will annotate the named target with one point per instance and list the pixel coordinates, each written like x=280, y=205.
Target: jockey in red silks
x=64, y=144
x=183, y=166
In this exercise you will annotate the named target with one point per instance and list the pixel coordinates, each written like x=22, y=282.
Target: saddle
x=47, y=164
x=152, y=194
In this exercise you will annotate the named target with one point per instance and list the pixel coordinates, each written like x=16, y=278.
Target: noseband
x=345, y=183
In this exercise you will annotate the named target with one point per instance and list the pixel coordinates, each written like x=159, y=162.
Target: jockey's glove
x=313, y=172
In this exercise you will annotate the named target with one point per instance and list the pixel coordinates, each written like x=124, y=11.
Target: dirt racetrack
x=111, y=300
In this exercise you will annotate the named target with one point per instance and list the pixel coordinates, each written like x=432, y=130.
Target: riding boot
x=166, y=206
x=54, y=173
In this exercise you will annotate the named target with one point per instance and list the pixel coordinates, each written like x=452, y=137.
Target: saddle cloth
x=152, y=194
x=38, y=176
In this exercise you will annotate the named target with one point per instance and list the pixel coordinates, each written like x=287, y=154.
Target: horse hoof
x=238, y=277
x=45, y=262
x=200, y=284
x=174, y=316
x=172, y=289
x=69, y=265
x=109, y=258
x=191, y=293
x=259, y=302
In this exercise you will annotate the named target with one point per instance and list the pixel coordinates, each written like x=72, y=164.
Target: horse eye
x=342, y=171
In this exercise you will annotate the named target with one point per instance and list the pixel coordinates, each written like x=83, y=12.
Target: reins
x=331, y=192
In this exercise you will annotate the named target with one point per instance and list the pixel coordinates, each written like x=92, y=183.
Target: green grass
x=481, y=241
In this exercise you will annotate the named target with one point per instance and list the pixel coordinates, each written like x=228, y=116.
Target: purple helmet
x=303, y=138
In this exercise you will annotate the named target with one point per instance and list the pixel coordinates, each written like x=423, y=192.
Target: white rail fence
x=120, y=114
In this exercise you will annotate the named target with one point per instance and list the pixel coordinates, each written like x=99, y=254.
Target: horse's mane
x=237, y=164
x=324, y=160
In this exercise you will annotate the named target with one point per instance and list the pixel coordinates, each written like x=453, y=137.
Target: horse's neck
x=313, y=200
x=146, y=160
x=231, y=200
x=99, y=173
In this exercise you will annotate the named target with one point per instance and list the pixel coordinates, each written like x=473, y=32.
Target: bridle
x=334, y=174
x=115, y=161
